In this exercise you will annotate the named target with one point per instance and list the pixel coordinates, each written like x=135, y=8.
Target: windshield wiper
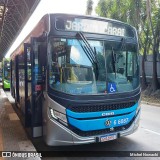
x=114, y=56
x=114, y=61
x=91, y=54
x=123, y=44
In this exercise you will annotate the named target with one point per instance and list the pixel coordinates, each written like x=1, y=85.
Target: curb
x=153, y=104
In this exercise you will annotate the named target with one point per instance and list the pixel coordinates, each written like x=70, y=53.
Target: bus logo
x=107, y=122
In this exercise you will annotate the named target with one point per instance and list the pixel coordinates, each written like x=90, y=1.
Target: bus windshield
x=72, y=71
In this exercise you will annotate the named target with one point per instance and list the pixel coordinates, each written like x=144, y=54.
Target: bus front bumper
x=59, y=135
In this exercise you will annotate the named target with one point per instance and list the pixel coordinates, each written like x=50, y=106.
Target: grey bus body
x=76, y=80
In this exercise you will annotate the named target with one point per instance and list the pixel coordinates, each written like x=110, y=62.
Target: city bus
x=6, y=73
x=75, y=80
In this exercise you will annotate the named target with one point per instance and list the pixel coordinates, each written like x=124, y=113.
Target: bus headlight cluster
x=58, y=115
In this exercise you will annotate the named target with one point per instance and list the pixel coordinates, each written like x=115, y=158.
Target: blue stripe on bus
x=99, y=114
x=97, y=124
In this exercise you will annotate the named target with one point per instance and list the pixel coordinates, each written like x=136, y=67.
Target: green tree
x=116, y=9
x=153, y=14
x=145, y=40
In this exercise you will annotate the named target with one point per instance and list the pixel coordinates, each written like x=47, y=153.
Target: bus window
x=71, y=68
x=122, y=67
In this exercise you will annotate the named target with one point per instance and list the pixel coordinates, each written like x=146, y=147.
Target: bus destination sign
x=93, y=26
x=100, y=27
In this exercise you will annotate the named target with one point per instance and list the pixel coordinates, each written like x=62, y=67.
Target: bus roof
x=91, y=17
x=42, y=26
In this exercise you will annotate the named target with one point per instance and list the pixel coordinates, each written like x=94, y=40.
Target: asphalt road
x=146, y=138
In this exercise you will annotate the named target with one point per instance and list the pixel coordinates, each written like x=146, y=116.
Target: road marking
x=152, y=131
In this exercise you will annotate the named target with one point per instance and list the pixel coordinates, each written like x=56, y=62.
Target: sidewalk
x=12, y=134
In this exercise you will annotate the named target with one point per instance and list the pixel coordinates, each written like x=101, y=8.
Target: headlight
x=58, y=115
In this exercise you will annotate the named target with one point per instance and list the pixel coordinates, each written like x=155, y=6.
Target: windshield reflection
x=72, y=72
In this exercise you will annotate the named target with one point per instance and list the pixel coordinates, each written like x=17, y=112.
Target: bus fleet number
x=121, y=121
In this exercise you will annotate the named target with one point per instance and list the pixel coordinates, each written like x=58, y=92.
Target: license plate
x=108, y=137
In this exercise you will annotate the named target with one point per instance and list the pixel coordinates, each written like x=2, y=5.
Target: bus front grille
x=102, y=107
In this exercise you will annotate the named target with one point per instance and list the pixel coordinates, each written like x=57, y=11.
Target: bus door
x=16, y=79
x=28, y=85
x=21, y=84
x=38, y=83
x=21, y=71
